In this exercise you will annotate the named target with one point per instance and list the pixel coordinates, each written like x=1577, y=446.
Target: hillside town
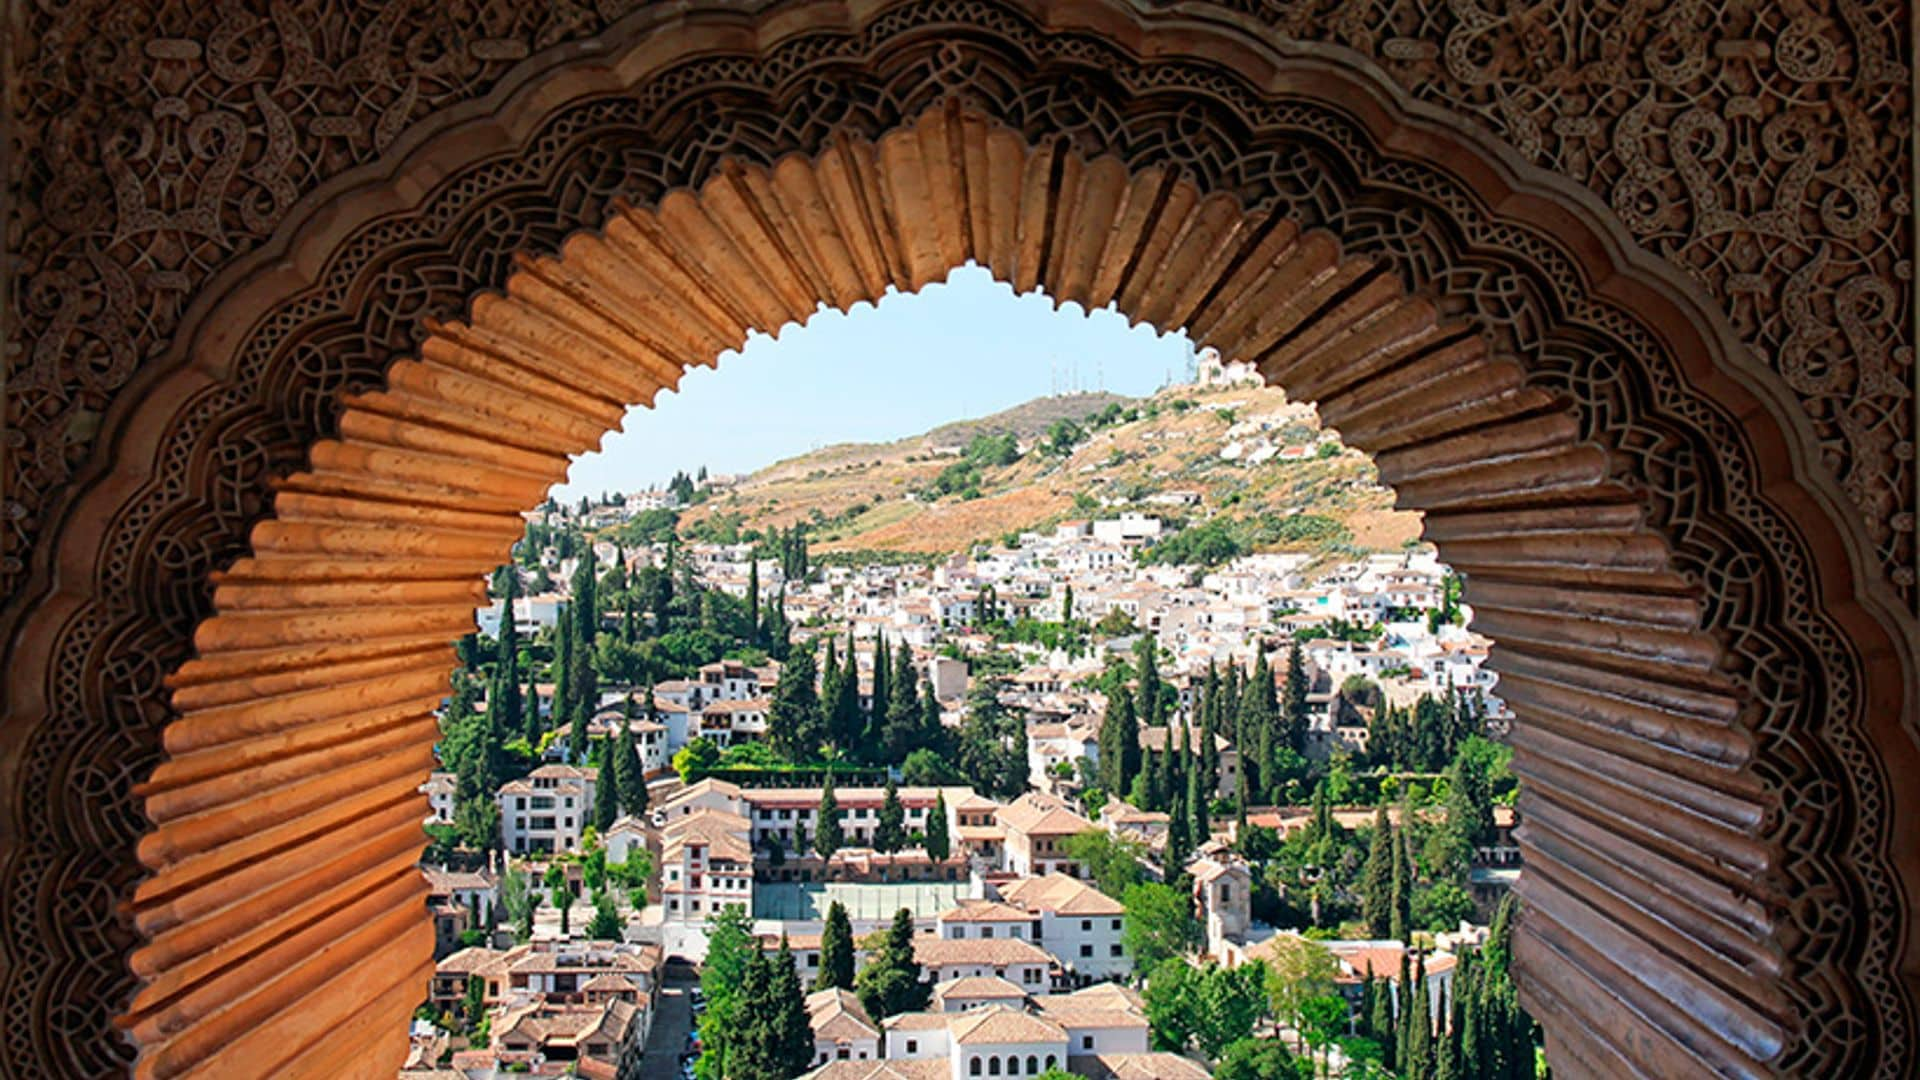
x=1110, y=798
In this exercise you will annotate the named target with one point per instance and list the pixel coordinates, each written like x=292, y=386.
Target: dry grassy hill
x=1244, y=453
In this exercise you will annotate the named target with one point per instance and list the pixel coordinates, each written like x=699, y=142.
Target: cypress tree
x=1363, y=1014
x=530, y=706
x=933, y=734
x=1323, y=826
x=878, y=697
x=1294, y=703
x=1152, y=702
x=1256, y=728
x=1403, y=998
x=900, y=735
x=790, y=1041
x=504, y=710
x=1419, y=1063
x=827, y=836
x=1382, y=1024
x=936, y=836
x=562, y=664
x=1200, y=830
x=1401, y=890
x=1376, y=887
x=1117, y=729
x=749, y=1045
x=793, y=720
x=606, y=788
x=1446, y=1063
x=1209, y=759
x=753, y=599
x=633, y=772
x=1178, y=843
x=836, y=951
x=890, y=833
x=890, y=983
x=840, y=699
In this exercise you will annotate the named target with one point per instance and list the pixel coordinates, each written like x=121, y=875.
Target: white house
x=547, y=810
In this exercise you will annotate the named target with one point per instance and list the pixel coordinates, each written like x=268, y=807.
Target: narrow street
x=672, y=1020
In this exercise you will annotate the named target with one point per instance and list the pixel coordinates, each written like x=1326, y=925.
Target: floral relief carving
x=1765, y=154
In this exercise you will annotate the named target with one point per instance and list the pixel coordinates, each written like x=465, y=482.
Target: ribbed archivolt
x=284, y=910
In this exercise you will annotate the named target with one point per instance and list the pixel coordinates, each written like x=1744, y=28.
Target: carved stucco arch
x=1693, y=427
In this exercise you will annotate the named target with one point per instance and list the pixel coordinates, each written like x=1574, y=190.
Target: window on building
x=986, y=931
x=913, y=1046
x=1086, y=1042
x=1086, y=924
x=1086, y=950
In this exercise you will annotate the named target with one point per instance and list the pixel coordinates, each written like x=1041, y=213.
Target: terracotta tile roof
x=1042, y=815
x=1110, y=995
x=1060, y=894
x=986, y=911
x=468, y=961
x=1155, y=1066
x=911, y=1069
x=998, y=1024
x=836, y=1015
x=442, y=882
x=977, y=988
x=1087, y=1016
x=915, y=1021
x=997, y=952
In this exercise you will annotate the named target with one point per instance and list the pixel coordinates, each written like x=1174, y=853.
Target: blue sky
x=963, y=349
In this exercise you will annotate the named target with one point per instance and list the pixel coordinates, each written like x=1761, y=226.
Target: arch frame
x=1837, y=583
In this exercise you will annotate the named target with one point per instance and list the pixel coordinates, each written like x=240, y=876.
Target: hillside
x=1241, y=453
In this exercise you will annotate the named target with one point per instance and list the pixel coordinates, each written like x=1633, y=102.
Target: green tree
x=828, y=836
x=1376, y=888
x=890, y=832
x=793, y=720
x=1256, y=721
x=731, y=950
x=926, y=768
x=1400, y=914
x=1172, y=1003
x=1158, y=924
x=1112, y=862
x=606, y=924
x=840, y=701
x=788, y=1034
x=1298, y=970
x=836, y=951
x=1293, y=702
x=504, y=705
x=900, y=733
x=1259, y=1059
x=606, y=787
x=696, y=759
x=993, y=751
x=937, y=844
x=1119, y=744
x=890, y=983
x=1232, y=1001
x=632, y=774
x=517, y=898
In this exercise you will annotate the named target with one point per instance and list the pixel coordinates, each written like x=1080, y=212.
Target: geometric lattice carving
x=1325, y=145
